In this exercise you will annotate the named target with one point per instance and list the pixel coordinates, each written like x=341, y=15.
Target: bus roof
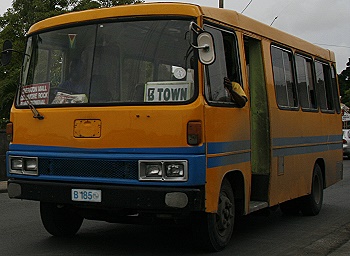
x=135, y=10
x=228, y=17
x=260, y=29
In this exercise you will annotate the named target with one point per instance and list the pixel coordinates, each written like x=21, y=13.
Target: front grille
x=89, y=168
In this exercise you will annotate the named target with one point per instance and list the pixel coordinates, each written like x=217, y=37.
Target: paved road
x=328, y=233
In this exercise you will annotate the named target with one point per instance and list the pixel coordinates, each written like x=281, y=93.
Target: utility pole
x=221, y=3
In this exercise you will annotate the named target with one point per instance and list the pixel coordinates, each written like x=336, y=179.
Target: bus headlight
x=31, y=164
x=23, y=165
x=153, y=170
x=16, y=164
x=174, y=170
x=166, y=170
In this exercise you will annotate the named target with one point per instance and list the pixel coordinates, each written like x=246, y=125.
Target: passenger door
x=227, y=127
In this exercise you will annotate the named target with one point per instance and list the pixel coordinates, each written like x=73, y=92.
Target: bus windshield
x=125, y=62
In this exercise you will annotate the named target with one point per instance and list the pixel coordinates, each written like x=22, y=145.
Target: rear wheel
x=311, y=204
x=60, y=220
x=216, y=229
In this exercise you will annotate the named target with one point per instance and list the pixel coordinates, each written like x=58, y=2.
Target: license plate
x=86, y=195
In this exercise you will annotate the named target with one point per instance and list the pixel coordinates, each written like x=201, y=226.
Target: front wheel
x=311, y=204
x=216, y=229
x=60, y=220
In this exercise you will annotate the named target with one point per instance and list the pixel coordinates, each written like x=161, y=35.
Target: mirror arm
x=195, y=28
x=204, y=47
x=12, y=50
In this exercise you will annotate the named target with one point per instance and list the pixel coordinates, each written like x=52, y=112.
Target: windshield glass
x=130, y=62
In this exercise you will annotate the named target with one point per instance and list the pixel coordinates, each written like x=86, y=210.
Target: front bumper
x=113, y=196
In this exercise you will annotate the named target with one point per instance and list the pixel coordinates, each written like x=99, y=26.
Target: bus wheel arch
x=214, y=230
x=236, y=180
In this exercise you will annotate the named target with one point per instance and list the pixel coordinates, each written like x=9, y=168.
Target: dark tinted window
x=305, y=82
x=121, y=62
x=324, y=86
x=335, y=90
x=226, y=65
x=283, y=77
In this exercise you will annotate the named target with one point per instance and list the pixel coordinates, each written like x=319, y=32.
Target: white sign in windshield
x=167, y=91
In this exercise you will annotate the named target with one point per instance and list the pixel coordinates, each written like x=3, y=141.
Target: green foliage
x=344, y=84
x=3, y=122
x=16, y=22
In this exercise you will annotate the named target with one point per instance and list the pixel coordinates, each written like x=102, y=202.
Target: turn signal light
x=194, y=133
x=9, y=132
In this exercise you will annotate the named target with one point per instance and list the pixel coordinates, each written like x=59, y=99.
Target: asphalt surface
x=344, y=250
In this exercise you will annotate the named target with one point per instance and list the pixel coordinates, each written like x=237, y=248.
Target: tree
x=344, y=84
x=16, y=22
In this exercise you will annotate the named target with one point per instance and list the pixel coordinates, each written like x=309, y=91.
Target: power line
x=247, y=6
x=287, y=5
x=273, y=20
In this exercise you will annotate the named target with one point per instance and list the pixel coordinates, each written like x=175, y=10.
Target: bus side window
x=225, y=65
x=305, y=82
x=283, y=77
x=335, y=90
x=324, y=86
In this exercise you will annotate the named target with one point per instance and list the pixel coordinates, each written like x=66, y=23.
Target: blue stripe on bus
x=228, y=159
x=300, y=150
x=277, y=142
x=231, y=146
x=306, y=145
x=236, y=150
x=288, y=147
x=197, y=162
x=338, y=146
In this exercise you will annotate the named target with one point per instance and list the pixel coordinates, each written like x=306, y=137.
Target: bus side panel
x=292, y=168
x=296, y=148
x=228, y=148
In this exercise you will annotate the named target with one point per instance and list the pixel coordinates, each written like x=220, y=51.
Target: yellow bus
x=122, y=115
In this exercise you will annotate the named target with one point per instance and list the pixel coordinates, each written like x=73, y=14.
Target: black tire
x=215, y=229
x=311, y=204
x=59, y=220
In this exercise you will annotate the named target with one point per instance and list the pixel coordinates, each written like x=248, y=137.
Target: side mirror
x=206, y=50
x=6, y=53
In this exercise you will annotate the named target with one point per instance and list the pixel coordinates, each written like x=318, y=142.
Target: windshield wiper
x=35, y=112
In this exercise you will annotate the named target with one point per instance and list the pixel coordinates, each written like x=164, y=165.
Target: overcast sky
x=322, y=22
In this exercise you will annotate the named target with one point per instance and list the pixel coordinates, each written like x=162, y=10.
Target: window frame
x=330, y=90
x=335, y=87
x=307, y=58
x=206, y=77
x=293, y=74
x=24, y=72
